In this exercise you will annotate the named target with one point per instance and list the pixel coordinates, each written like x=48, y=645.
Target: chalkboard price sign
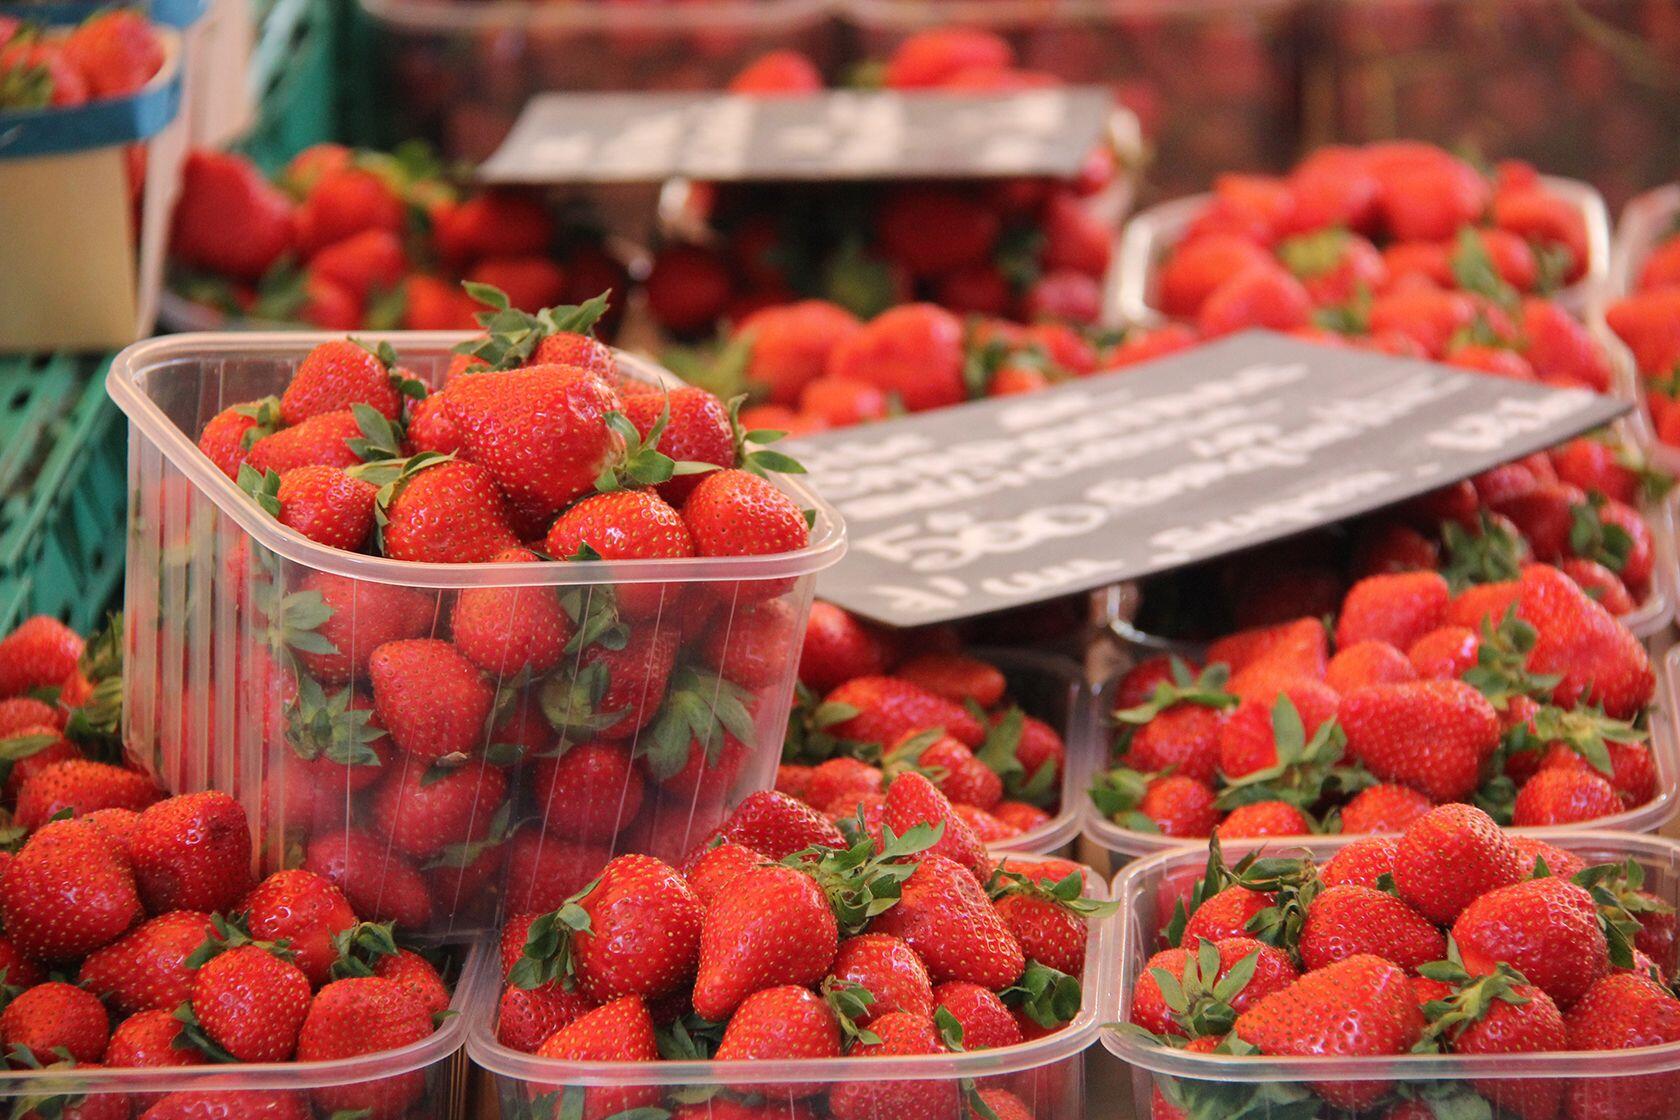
x=1006, y=502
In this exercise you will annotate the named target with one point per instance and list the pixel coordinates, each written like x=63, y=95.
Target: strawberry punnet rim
x=1070, y=1042
x=1137, y=883
x=472, y=988
x=126, y=385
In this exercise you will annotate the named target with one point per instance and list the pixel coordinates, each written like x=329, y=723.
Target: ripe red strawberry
x=1257, y=297
x=687, y=288
x=320, y=440
x=1360, y=863
x=1565, y=865
x=1548, y=929
x=365, y=264
x=986, y=1023
x=932, y=58
x=1263, y=818
x=67, y=892
x=509, y=630
x=222, y=192
x=778, y=73
x=145, y=969
x=1384, y=808
x=784, y=1023
x=20, y=714
x=644, y=931
x=431, y=429
x=1622, y=1012
x=251, y=1003
x=1247, y=741
x=1273, y=971
x=945, y=916
x=1179, y=806
x=1192, y=272
x=363, y=1015
x=1600, y=661
x=544, y=869
x=149, y=1040
x=377, y=881
x=430, y=698
x=361, y=616
x=1398, y=609
x=900, y=1033
x=55, y=1015
x=712, y=866
x=1366, y=663
x=1444, y=653
x=525, y=1019
x=1346, y=920
x=625, y=525
x=838, y=778
x=1450, y=856
x=913, y=800
x=1050, y=930
x=52, y=749
x=591, y=792
x=323, y=503
x=914, y=351
x=306, y=911
x=839, y=647
x=417, y=977
x=933, y=230
x=336, y=375
x=1358, y=1006
x=1599, y=583
x=791, y=344
x=636, y=678
x=776, y=825
x=736, y=513
x=1499, y=1016
x=771, y=926
x=81, y=786
x=343, y=202
x=889, y=970
x=1564, y=796
x=223, y=437
x=541, y=431
x=754, y=652
x=1562, y=350
x=421, y=814
x=839, y=403
x=621, y=1031
x=40, y=653
x=963, y=778
x=697, y=430
x=957, y=677
x=1632, y=768
x=1431, y=735
x=230, y=1104
x=447, y=512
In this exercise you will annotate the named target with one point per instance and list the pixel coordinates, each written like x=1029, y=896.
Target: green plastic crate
x=298, y=78
x=63, y=491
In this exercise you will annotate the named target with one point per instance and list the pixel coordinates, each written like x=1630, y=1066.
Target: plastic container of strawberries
x=461, y=71
x=1127, y=843
x=1213, y=81
x=1644, y=223
x=433, y=1070
x=1048, y=1073
x=1140, y=887
x=1153, y=232
x=210, y=576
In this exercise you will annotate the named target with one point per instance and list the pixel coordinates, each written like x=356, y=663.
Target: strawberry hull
x=1047, y=1074
x=1286, y=1086
x=420, y=733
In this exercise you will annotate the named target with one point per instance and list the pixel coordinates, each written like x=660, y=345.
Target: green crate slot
x=63, y=491
x=297, y=80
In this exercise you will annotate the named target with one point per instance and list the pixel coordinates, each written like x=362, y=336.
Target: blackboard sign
x=842, y=134
x=1000, y=503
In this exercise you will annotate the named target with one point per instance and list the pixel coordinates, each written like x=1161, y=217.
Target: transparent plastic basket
x=210, y=575
x=1153, y=232
x=1048, y=1074
x=460, y=71
x=431, y=1074
x=1134, y=940
x=1125, y=843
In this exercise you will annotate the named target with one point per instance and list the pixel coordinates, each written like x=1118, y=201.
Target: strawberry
x=21, y=972
x=962, y=778
x=1384, y=808
x=1247, y=742
x=1207, y=1004
x=687, y=288
x=591, y=791
x=838, y=778
x=1598, y=660
x=1451, y=856
x=338, y=375
x=624, y=525
x=1334, y=265
x=1048, y=919
x=1345, y=920
x=223, y=192
x=1431, y=735
x=430, y=698
x=324, y=503
x=697, y=430
x=785, y=1023
x=364, y=265
x=791, y=344
x=1173, y=805
x=1361, y=863
x=1548, y=929
x=1138, y=684
x=1599, y=583
x=1263, y=818
x=543, y=869
x=775, y=826
x=1397, y=609
x=1445, y=653
x=1632, y=769
x=250, y=1002
x=1498, y=1014
x=525, y=1019
x=431, y=304
x=531, y=283
x=898, y=1033
x=771, y=926
x=1559, y=796
x=40, y=653
x=81, y=786
x=957, y=677
x=1366, y=663
x=913, y=800
x=889, y=970
x=777, y=73
x=230, y=1104
x=363, y=1015
x=1076, y=239
x=1427, y=315
x=34, y=748
x=1617, y=1013
x=508, y=422
x=944, y=915
x=1358, y=1006
x=1562, y=350
x=345, y=202
x=1565, y=865
x=359, y=617
x=496, y=223
x=614, y=693
x=736, y=513
x=982, y=1018
x=224, y=436
x=67, y=892
x=914, y=351
x=416, y=976
x=840, y=403
x=421, y=812
x=117, y=52
x=1257, y=297
x=448, y=512
x=431, y=429
x=305, y=911
x=933, y=230
x=55, y=1015
x=886, y=710
x=145, y=969
x=754, y=652
x=931, y=58
x=511, y=630
x=150, y=1039
x=323, y=440
x=378, y=882
x=1196, y=268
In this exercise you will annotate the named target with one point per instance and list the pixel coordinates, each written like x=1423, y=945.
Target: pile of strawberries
x=1648, y=320
x=866, y=714
x=1452, y=938
x=110, y=54
x=1022, y=248
x=1400, y=247
x=1525, y=695
x=134, y=934
x=347, y=239
x=786, y=937
x=1577, y=505
x=429, y=739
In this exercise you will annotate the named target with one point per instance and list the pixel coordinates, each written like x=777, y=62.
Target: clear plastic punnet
x=425, y=1080
x=1047, y=1074
x=250, y=651
x=1275, y=1088
x=1122, y=844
